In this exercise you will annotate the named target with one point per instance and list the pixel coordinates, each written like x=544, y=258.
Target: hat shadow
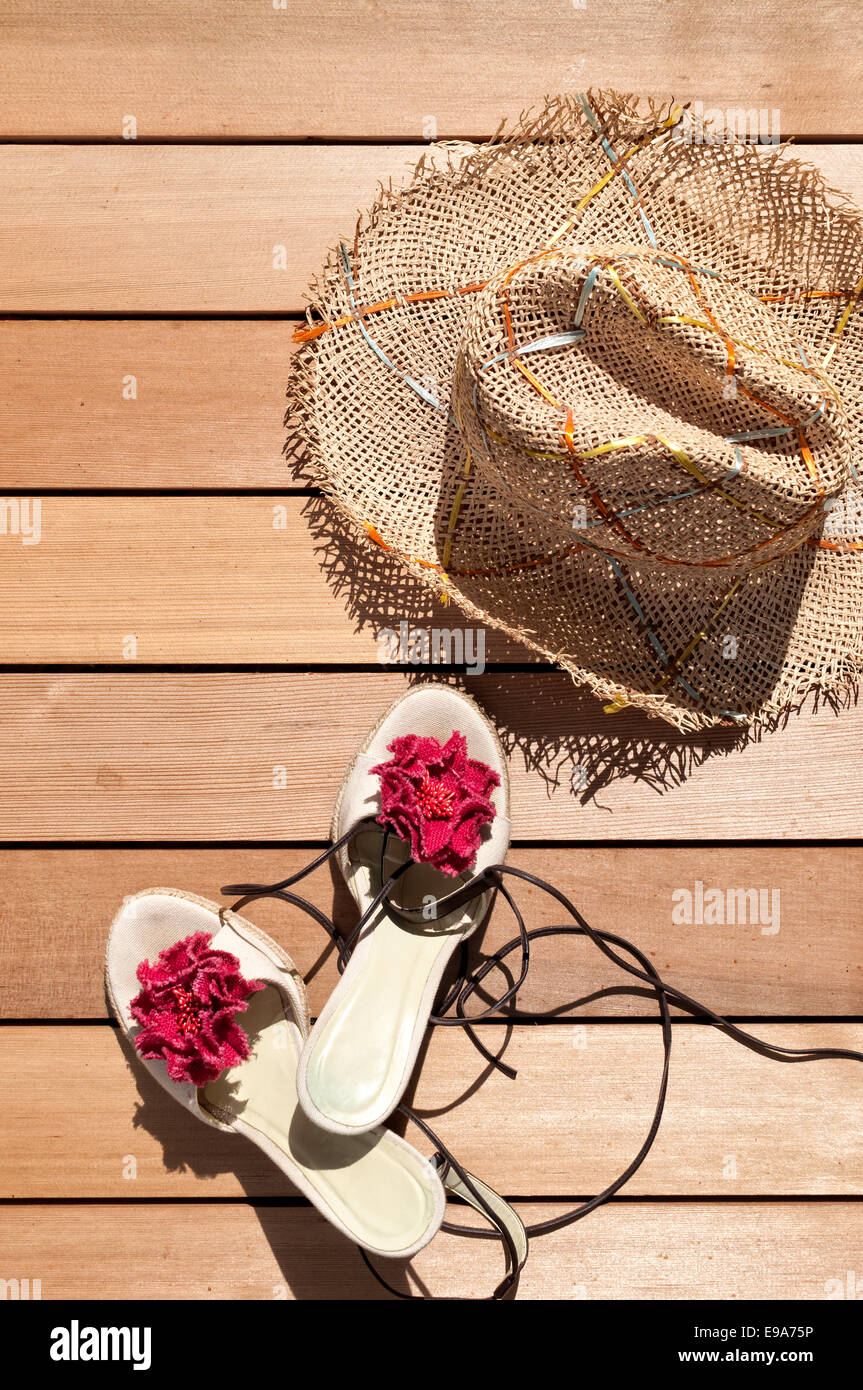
x=562, y=733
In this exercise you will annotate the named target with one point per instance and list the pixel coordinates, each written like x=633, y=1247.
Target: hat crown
x=653, y=408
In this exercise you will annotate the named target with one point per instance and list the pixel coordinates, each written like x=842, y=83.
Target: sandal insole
x=356, y=1067
x=379, y=1191
x=361, y=1050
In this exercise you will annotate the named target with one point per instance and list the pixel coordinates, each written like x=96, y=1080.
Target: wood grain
x=196, y=420
x=296, y=69
x=207, y=579
x=76, y=1105
x=175, y=229
x=725, y=1250
x=165, y=224
x=810, y=966
x=226, y=756
x=192, y=228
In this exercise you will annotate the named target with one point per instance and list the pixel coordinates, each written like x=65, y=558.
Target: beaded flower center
x=435, y=800
x=188, y=1011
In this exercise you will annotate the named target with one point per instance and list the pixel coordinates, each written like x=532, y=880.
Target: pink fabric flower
x=186, y=1010
x=437, y=799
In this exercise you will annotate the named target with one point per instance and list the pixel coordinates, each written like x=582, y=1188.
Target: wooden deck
x=191, y=620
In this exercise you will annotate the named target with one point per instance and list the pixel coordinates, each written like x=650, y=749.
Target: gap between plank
x=321, y=141
x=818, y=842
x=517, y=1021
x=658, y=1199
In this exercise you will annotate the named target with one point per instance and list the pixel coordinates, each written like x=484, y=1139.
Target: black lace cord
x=466, y=985
x=774, y=1051
x=456, y=993
x=678, y=997
x=252, y=892
x=665, y=994
x=567, y=1218
x=462, y=990
x=295, y=900
x=500, y=1231
x=470, y=985
x=259, y=889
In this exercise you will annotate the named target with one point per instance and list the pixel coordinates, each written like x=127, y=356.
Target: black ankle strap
x=641, y=968
x=610, y=944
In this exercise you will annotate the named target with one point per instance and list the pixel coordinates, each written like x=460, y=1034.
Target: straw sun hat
x=599, y=381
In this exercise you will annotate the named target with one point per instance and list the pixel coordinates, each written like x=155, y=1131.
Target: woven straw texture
x=599, y=381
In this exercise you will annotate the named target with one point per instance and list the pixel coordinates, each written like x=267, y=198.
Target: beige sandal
x=206, y=966
x=444, y=790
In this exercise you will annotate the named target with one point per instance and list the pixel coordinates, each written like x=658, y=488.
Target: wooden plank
x=209, y=579
x=68, y=418
x=725, y=1250
x=195, y=419
x=77, y=1108
x=173, y=229
x=739, y=966
x=225, y=756
x=292, y=68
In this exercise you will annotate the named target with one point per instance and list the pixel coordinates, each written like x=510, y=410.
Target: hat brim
x=373, y=396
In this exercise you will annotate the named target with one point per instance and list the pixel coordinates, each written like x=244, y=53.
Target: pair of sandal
x=420, y=837
x=421, y=810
